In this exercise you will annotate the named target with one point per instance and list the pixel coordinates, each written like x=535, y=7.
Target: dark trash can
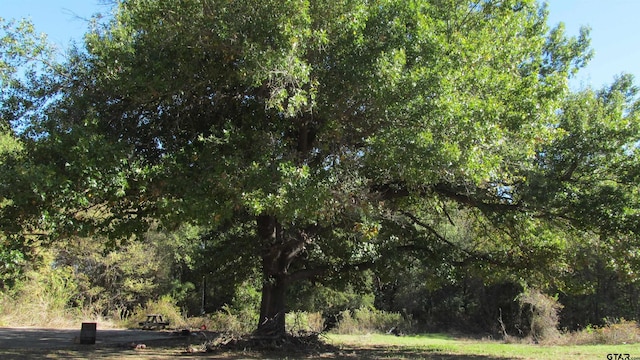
x=88, y=333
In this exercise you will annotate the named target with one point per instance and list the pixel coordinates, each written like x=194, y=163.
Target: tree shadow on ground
x=313, y=349
x=350, y=354
x=175, y=351
x=404, y=353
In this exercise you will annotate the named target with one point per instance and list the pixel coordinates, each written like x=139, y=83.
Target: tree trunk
x=278, y=252
x=274, y=278
x=272, y=307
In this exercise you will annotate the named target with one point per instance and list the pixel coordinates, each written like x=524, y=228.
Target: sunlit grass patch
x=425, y=346
x=390, y=340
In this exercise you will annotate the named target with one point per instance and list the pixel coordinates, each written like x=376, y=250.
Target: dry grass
x=37, y=312
x=620, y=333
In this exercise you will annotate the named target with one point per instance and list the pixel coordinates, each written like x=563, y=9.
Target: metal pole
x=204, y=295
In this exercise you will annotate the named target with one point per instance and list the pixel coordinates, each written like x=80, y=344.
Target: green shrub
x=44, y=297
x=302, y=321
x=364, y=320
x=237, y=322
x=241, y=316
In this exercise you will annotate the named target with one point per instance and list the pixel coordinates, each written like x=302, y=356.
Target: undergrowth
x=613, y=333
x=44, y=300
x=362, y=321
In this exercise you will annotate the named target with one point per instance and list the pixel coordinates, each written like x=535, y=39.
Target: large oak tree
x=318, y=137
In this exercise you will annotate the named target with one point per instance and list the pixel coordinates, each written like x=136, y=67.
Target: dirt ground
x=112, y=344
x=40, y=343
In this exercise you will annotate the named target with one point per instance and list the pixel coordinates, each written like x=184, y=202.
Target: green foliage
x=110, y=280
x=240, y=315
x=458, y=299
x=329, y=300
x=246, y=300
x=301, y=322
x=594, y=160
x=363, y=321
x=44, y=296
x=12, y=263
x=224, y=321
x=389, y=72
x=20, y=45
x=597, y=289
x=118, y=278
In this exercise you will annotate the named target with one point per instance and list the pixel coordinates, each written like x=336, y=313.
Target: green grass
x=446, y=347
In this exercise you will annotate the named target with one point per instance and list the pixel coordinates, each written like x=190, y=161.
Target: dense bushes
x=44, y=295
x=362, y=321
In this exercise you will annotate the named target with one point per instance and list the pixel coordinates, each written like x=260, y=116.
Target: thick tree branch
x=485, y=202
x=466, y=198
x=306, y=274
x=470, y=254
x=321, y=270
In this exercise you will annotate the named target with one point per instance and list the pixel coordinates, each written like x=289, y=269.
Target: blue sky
x=615, y=36
x=615, y=30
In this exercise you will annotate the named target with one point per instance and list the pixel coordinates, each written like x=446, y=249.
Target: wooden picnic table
x=154, y=321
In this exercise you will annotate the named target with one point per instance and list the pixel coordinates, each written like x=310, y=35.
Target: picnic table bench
x=154, y=321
